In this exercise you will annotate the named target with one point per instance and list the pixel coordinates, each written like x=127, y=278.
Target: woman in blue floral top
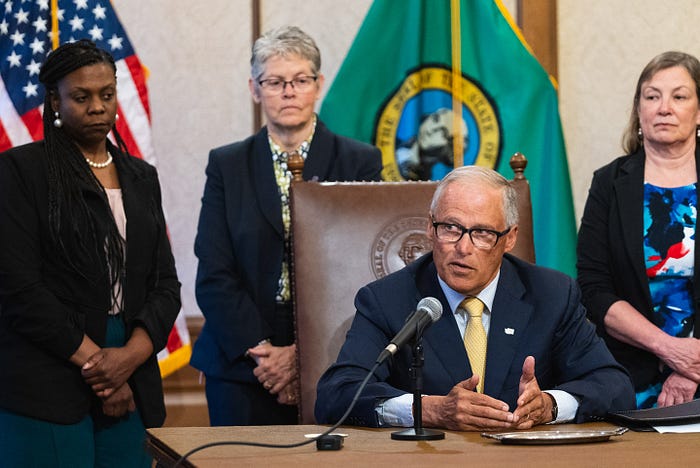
x=636, y=246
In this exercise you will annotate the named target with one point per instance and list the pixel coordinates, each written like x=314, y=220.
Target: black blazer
x=46, y=307
x=240, y=241
x=536, y=311
x=610, y=253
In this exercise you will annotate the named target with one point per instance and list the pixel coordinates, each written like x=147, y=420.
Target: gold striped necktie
x=475, y=338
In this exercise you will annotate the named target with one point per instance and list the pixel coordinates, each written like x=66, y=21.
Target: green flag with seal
x=395, y=90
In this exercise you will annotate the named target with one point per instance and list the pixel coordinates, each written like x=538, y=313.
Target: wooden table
x=375, y=448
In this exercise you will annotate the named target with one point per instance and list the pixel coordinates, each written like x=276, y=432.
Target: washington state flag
x=426, y=80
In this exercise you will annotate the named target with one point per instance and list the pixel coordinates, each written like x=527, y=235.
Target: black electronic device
x=329, y=442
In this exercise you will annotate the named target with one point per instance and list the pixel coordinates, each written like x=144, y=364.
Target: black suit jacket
x=610, y=250
x=46, y=307
x=536, y=311
x=240, y=241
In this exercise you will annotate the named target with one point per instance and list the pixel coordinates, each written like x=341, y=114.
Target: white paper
x=311, y=436
x=680, y=428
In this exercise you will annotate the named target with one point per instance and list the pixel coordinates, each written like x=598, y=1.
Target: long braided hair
x=68, y=172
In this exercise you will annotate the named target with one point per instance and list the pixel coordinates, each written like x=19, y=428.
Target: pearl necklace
x=101, y=165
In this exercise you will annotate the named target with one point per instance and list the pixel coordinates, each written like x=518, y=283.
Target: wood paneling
x=538, y=21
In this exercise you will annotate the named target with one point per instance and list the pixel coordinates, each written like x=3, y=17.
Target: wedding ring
x=267, y=385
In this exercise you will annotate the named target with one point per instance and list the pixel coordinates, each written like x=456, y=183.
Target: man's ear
x=429, y=230
x=511, y=238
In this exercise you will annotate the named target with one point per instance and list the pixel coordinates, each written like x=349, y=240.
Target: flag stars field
x=95, y=33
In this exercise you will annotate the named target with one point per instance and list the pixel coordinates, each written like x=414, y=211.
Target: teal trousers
x=28, y=442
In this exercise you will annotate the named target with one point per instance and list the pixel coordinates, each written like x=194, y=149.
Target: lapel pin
x=509, y=331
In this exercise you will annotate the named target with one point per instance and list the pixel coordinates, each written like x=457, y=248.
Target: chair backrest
x=346, y=235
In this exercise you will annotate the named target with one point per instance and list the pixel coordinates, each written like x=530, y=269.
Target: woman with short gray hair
x=247, y=348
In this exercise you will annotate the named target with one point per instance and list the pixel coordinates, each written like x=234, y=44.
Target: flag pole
x=458, y=138
x=256, y=30
x=54, y=25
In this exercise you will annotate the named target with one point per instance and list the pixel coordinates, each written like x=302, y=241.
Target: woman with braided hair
x=88, y=287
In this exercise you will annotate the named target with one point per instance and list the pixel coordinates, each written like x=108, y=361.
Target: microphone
x=428, y=311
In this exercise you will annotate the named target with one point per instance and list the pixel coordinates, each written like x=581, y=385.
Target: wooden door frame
x=538, y=21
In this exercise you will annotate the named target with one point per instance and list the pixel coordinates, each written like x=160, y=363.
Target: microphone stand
x=417, y=433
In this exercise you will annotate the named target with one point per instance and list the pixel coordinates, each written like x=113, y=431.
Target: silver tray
x=554, y=437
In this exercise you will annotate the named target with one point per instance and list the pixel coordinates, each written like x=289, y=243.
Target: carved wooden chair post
x=525, y=245
x=295, y=163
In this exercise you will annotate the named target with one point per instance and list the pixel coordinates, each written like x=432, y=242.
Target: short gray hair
x=481, y=175
x=284, y=41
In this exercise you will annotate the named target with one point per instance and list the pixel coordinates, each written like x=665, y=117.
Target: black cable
x=296, y=444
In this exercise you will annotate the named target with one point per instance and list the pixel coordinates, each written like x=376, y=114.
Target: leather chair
x=347, y=234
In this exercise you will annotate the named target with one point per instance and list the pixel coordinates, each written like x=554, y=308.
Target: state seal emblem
x=414, y=127
x=398, y=244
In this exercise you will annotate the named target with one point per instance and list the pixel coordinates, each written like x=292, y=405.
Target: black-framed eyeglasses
x=300, y=84
x=482, y=238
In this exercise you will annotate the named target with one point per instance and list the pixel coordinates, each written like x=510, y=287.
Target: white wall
x=199, y=52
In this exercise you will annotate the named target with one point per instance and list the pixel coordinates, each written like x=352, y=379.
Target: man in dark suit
x=533, y=329
x=246, y=349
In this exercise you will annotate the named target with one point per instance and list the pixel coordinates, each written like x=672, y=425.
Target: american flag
x=29, y=30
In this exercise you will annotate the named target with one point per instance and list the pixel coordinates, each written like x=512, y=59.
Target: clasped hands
x=108, y=369
x=276, y=370
x=465, y=410
x=682, y=355
x=107, y=372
